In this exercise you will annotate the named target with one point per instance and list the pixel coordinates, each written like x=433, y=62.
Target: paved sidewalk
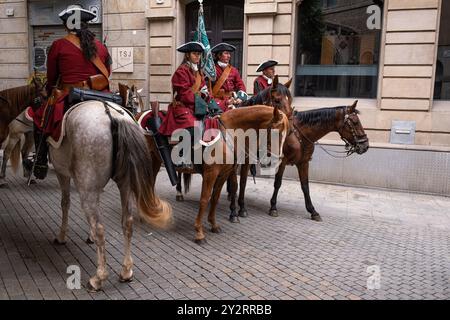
x=404, y=236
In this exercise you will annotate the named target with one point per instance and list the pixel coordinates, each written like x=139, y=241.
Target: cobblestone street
x=289, y=257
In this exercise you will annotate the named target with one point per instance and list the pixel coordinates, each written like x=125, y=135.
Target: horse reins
x=247, y=154
x=348, y=153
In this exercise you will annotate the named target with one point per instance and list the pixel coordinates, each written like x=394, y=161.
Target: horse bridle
x=359, y=139
x=350, y=148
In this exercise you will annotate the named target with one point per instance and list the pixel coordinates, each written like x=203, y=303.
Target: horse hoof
x=58, y=243
x=3, y=184
x=180, y=198
x=273, y=213
x=316, y=217
x=91, y=288
x=216, y=230
x=32, y=181
x=243, y=213
x=124, y=280
x=200, y=241
x=234, y=219
x=89, y=241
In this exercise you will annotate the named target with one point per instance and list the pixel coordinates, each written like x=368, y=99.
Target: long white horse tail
x=133, y=169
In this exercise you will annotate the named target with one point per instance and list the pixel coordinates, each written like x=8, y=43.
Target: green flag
x=208, y=66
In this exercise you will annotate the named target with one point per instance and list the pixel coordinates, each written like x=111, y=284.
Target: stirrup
x=40, y=171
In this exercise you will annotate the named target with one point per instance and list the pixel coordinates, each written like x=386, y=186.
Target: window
x=337, y=54
x=442, y=82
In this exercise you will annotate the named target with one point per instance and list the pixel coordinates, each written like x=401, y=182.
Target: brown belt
x=81, y=84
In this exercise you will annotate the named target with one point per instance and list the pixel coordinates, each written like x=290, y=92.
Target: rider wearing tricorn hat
x=189, y=88
x=265, y=80
x=228, y=89
x=76, y=61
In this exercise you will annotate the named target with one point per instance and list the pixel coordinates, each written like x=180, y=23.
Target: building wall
x=269, y=36
x=14, y=54
x=124, y=25
x=406, y=79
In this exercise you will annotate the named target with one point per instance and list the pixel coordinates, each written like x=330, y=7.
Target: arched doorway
x=224, y=23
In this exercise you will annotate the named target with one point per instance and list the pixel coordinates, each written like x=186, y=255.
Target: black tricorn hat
x=84, y=15
x=223, y=47
x=192, y=46
x=266, y=64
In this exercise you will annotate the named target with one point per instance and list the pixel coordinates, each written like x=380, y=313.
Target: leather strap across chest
x=226, y=72
x=96, y=60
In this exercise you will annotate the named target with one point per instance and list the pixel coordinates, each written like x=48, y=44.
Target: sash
x=221, y=81
x=96, y=60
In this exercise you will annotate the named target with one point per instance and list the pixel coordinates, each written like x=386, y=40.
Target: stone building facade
x=400, y=73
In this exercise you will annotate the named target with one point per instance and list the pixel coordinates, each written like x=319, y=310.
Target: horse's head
x=39, y=90
x=280, y=96
x=132, y=99
x=352, y=131
x=278, y=129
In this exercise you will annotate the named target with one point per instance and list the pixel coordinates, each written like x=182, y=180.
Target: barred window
x=338, y=55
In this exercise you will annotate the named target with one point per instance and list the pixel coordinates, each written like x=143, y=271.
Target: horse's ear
x=140, y=90
x=276, y=115
x=353, y=106
x=275, y=82
x=288, y=84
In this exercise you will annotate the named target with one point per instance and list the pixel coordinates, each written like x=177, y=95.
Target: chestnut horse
x=309, y=127
x=277, y=95
x=215, y=174
x=13, y=101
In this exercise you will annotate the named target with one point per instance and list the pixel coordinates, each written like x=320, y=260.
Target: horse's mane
x=261, y=97
x=318, y=116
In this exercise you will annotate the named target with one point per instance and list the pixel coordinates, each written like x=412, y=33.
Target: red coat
x=233, y=83
x=66, y=61
x=260, y=84
x=181, y=116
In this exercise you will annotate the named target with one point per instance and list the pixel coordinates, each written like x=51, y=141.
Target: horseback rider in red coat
x=265, y=80
x=188, y=85
x=77, y=60
x=228, y=89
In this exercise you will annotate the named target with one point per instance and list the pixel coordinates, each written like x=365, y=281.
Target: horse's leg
x=3, y=182
x=126, y=274
x=26, y=148
x=209, y=179
x=179, y=188
x=277, y=184
x=232, y=190
x=243, y=183
x=90, y=204
x=13, y=140
x=303, y=168
x=64, y=183
x=215, y=228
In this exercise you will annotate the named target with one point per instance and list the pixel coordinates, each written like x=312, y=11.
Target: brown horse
x=309, y=127
x=277, y=95
x=13, y=101
x=215, y=174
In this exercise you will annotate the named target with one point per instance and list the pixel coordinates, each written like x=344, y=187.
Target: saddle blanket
x=211, y=125
x=56, y=135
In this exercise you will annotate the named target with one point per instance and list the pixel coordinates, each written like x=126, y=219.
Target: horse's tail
x=187, y=177
x=133, y=169
x=15, y=157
